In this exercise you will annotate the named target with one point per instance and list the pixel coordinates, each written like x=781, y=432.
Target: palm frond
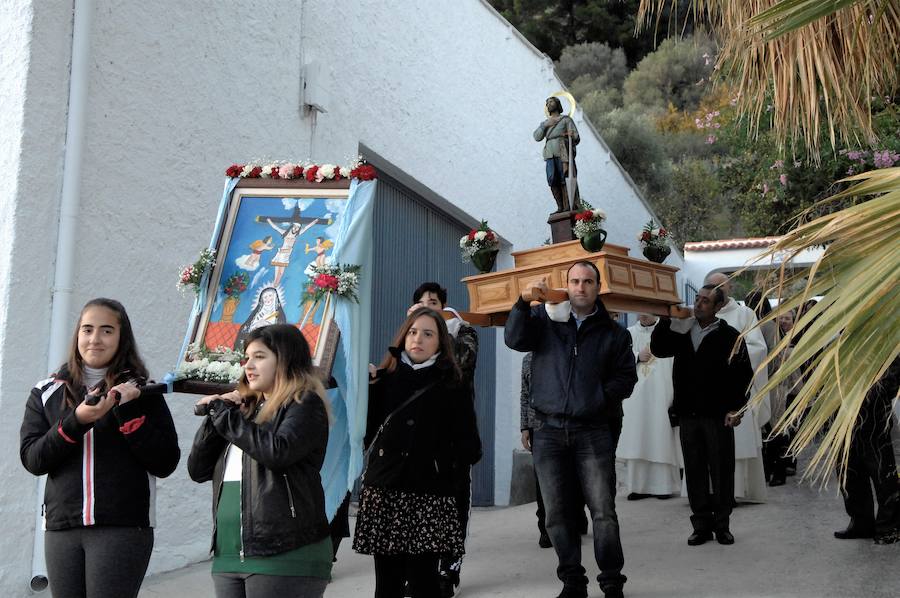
x=808, y=65
x=852, y=335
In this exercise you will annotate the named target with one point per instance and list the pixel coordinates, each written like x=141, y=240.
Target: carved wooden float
x=627, y=284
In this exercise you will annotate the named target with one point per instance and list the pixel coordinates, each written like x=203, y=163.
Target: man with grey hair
x=749, y=469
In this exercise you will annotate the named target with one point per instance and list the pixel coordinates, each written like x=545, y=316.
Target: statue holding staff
x=561, y=137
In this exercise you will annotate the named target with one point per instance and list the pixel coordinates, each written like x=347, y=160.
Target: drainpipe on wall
x=61, y=298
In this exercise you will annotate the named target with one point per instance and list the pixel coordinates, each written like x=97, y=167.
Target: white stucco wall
x=447, y=92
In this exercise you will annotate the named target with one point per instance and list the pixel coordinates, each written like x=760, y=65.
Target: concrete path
x=784, y=548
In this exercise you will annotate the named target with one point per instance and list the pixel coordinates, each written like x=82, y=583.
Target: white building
x=133, y=136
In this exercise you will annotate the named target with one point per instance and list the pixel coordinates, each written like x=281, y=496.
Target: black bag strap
x=402, y=406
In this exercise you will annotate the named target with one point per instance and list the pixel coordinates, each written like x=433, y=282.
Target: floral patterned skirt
x=395, y=522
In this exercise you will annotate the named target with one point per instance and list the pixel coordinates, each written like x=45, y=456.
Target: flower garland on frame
x=222, y=365
x=313, y=173
x=192, y=274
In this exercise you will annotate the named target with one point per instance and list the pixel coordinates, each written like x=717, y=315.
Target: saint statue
x=559, y=154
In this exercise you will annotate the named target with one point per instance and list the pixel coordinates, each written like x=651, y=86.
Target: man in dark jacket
x=871, y=462
x=710, y=389
x=582, y=370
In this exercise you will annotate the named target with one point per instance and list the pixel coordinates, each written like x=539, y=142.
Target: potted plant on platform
x=589, y=229
x=480, y=246
x=655, y=242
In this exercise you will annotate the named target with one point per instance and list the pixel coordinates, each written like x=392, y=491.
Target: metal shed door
x=415, y=243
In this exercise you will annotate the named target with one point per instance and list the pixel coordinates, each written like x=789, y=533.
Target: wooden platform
x=626, y=283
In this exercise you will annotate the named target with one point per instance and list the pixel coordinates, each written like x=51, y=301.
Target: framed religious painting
x=273, y=235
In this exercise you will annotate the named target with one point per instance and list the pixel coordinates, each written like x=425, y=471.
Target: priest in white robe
x=649, y=445
x=749, y=472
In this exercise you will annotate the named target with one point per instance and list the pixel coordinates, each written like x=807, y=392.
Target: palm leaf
x=850, y=338
x=816, y=63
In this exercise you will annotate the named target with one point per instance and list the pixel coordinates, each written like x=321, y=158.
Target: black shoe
x=573, y=592
x=637, y=496
x=724, y=537
x=698, y=538
x=615, y=592
x=888, y=537
x=663, y=496
x=777, y=482
x=544, y=541
x=853, y=533
x=446, y=588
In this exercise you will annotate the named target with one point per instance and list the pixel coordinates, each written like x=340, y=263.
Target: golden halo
x=567, y=96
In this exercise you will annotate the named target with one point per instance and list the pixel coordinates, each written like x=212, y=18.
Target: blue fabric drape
x=353, y=245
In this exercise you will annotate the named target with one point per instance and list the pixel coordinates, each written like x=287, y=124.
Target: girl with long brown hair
x=101, y=443
x=420, y=423
x=263, y=447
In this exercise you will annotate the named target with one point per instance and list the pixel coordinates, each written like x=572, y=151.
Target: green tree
x=603, y=65
x=635, y=142
x=551, y=25
x=694, y=209
x=676, y=74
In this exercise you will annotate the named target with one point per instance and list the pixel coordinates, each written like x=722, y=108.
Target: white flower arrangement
x=589, y=221
x=222, y=365
x=478, y=239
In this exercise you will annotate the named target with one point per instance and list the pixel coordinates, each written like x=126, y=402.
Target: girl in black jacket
x=101, y=460
x=420, y=423
x=263, y=447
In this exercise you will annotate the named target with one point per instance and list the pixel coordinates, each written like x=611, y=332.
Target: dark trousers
x=451, y=564
x=708, y=447
x=97, y=562
x=420, y=570
x=569, y=461
x=541, y=512
x=248, y=585
x=871, y=462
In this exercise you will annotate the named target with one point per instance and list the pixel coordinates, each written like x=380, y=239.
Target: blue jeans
x=568, y=460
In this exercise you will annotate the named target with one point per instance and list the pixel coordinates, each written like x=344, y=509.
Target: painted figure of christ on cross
x=289, y=235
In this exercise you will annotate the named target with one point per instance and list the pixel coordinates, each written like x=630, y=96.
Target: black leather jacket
x=282, y=501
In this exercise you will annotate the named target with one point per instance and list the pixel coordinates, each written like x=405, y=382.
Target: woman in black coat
x=421, y=422
x=263, y=447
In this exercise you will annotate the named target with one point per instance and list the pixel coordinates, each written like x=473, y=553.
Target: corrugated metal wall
x=415, y=243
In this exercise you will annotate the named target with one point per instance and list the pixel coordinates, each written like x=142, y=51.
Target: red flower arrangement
x=363, y=172
x=326, y=282
x=314, y=173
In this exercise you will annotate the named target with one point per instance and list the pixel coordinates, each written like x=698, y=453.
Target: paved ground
x=784, y=548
